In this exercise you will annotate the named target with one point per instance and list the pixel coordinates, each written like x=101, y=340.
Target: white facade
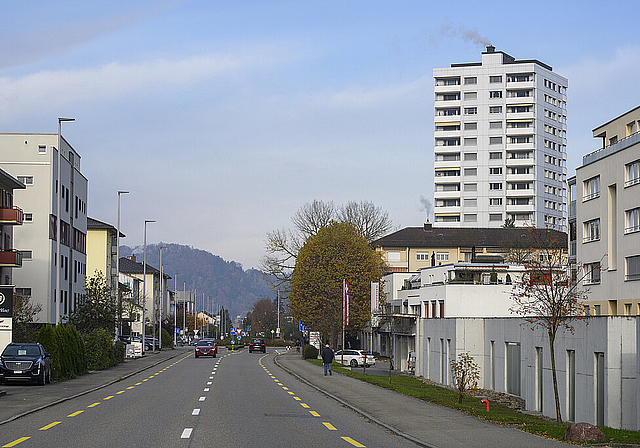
x=32, y=158
x=608, y=218
x=597, y=365
x=500, y=143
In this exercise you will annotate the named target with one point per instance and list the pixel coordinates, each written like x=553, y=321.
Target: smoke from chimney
x=427, y=206
x=467, y=34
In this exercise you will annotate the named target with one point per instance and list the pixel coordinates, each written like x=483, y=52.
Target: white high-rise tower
x=500, y=143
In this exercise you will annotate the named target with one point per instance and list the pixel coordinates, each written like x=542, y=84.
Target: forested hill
x=225, y=282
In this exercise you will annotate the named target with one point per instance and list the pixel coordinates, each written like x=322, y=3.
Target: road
x=238, y=399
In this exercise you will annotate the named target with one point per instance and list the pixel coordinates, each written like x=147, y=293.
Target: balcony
x=11, y=216
x=10, y=258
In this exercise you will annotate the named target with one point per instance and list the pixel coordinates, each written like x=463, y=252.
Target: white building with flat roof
x=33, y=160
x=500, y=143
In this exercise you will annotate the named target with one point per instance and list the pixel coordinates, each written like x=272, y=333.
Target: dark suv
x=25, y=361
x=257, y=345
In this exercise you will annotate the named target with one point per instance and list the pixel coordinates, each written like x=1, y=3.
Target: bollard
x=484, y=400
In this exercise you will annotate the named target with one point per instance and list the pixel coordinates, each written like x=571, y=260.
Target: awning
x=448, y=123
x=447, y=214
x=521, y=104
x=520, y=120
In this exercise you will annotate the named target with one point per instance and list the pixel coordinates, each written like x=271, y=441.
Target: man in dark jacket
x=327, y=359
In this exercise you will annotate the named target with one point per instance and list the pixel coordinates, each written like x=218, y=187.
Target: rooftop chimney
x=132, y=258
x=428, y=227
x=491, y=49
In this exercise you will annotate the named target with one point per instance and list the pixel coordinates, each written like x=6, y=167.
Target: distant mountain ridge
x=223, y=282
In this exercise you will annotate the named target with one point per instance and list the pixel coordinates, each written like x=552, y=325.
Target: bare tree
x=371, y=221
x=282, y=245
x=547, y=296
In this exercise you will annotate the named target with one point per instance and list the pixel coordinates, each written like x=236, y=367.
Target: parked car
x=25, y=361
x=355, y=358
x=257, y=345
x=206, y=347
x=148, y=345
x=125, y=339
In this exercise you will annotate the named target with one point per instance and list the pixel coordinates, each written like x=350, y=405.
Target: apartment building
x=102, y=246
x=33, y=160
x=500, y=143
x=155, y=289
x=608, y=218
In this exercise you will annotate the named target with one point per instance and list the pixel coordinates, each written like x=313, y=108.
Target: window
x=495, y=217
x=632, y=173
x=471, y=141
x=591, y=188
x=470, y=110
x=520, y=77
x=632, y=268
x=518, y=139
x=393, y=256
x=447, y=112
x=495, y=94
x=495, y=201
x=447, y=202
x=471, y=202
x=632, y=220
x=493, y=79
x=422, y=256
x=471, y=80
x=448, y=81
x=470, y=187
x=592, y=274
x=453, y=127
x=442, y=256
x=455, y=218
x=470, y=156
x=631, y=128
x=28, y=217
x=495, y=170
x=471, y=126
x=27, y=180
x=495, y=125
x=495, y=186
x=513, y=368
x=520, y=170
x=42, y=149
x=495, y=155
x=23, y=292
x=447, y=187
x=471, y=217
x=591, y=230
x=27, y=255
x=495, y=140
x=470, y=96
x=495, y=109
x=448, y=157
x=471, y=171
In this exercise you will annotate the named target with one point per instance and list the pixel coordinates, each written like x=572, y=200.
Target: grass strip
x=499, y=414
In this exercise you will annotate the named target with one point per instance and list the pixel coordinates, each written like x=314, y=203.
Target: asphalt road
x=238, y=399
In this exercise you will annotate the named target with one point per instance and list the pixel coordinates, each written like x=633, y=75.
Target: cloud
x=113, y=81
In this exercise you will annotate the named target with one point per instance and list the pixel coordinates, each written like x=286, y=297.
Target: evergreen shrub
x=309, y=352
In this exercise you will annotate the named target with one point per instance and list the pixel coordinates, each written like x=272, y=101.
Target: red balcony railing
x=11, y=258
x=11, y=215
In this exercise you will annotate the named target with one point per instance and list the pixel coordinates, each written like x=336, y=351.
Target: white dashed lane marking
x=186, y=433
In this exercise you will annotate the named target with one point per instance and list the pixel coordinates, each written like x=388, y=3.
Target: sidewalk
x=425, y=423
x=21, y=399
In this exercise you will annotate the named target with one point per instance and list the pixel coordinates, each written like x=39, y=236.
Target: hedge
x=309, y=352
x=66, y=349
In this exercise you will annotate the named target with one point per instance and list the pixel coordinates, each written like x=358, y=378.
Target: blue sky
x=223, y=118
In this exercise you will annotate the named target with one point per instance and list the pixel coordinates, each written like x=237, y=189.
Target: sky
x=223, y=118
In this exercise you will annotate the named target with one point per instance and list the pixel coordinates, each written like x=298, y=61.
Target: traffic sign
x=232, y=342
x=177, y=331
x=304, y=327
x=233, y=331
x=238, y=337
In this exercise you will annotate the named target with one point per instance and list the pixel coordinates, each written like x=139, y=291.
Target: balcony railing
x=11, y=215
x=11, y=258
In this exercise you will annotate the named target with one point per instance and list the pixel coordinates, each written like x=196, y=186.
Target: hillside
x=225, y=282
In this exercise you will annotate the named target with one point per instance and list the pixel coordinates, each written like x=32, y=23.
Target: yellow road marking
x=353, y=442
x=314, y=413
x=93, y=405
x=131, y=387
x=304, y=405
x=15, y=442
x=285, y=388
x=329, y=426
x=297, y=398
x=50, y=425
x=151, y=376
x=146, y=379
x=280, y=384
x=119, y=392
x=109, y=397
x=75, y=413
x=137, y=384
x=290, y=393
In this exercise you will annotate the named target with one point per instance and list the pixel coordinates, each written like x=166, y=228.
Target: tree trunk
x=552, y=340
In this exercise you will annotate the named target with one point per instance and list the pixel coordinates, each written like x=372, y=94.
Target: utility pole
x=175, y=308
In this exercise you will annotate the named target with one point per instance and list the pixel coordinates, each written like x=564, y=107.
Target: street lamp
x=119, y=310
x=144, y=282
x=175, y=308
x=160, y=297
x=57, y=294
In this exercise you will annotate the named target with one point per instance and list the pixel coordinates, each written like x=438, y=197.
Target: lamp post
x=144, y=282
x=57, y=294
x=119, y=310
x=160, y=297
x=175, y=308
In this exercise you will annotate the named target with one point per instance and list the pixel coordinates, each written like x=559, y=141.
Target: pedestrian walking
x=327, y=359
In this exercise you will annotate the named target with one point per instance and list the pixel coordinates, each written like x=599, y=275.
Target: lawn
x=499, y=414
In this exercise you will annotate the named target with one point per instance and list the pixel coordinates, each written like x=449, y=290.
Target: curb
x=355, y=409
x=62, y=400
